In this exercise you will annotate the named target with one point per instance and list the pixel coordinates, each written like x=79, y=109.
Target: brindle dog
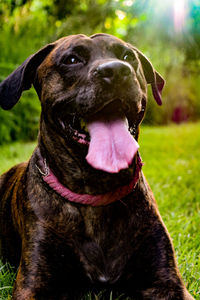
x=57, y=222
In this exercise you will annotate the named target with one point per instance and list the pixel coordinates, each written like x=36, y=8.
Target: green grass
x=7, y=277
x=172, y=167
x=14, y=153
x=171, y=158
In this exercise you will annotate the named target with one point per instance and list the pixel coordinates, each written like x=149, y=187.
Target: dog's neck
x=88, y=199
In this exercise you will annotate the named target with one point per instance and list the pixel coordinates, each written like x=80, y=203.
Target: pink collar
x=93, y=200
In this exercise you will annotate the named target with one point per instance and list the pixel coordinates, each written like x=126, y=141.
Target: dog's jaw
x=109, y=136
x=71, y=167
x=73, y=141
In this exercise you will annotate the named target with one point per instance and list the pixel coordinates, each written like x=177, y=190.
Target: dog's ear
x=22, y=78
x=151, y=76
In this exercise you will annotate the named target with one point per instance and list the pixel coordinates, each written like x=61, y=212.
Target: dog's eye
x=129, y=57
x=72, y=60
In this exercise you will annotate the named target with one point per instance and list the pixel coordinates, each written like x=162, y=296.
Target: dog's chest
x=101, y=238
x=106, y=245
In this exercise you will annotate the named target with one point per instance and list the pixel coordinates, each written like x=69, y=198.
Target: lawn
x=171, y=158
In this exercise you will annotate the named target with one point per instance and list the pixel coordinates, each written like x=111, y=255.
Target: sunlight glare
x=179, y=13
x=121, y=14
x=128, y=2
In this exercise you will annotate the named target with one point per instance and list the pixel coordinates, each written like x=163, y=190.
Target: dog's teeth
x=62, y=124
x=126, y=121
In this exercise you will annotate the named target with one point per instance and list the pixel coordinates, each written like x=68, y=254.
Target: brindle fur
x=65, y=249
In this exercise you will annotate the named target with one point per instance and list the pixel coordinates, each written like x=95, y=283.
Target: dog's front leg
x=22, y=290
x=31, y=284
x=48, y=270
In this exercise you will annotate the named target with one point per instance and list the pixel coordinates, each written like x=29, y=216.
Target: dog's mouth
x=108, y=133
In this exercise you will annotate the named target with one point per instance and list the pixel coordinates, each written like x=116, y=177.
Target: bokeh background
x=168, y=32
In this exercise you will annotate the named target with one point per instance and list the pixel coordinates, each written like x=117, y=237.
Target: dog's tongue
x=112, y=148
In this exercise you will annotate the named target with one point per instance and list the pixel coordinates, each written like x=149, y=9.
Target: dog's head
x=93, y=92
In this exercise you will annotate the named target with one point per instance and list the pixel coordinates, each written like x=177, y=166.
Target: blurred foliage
x=27, y=25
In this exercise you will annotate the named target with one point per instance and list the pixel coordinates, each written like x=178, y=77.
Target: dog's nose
x=112, y=71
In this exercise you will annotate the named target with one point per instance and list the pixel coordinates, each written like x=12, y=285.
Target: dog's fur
x=65, y=249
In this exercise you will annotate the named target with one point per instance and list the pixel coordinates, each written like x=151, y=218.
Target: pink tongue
x=112, y=148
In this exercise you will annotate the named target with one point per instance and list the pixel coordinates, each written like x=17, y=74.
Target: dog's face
x=85, y=83
x=83, y=76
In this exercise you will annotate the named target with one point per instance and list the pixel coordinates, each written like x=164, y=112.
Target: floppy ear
x=152, y=77
x=22, y=78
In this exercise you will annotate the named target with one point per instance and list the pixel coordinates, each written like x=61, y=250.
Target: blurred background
x=168, y=32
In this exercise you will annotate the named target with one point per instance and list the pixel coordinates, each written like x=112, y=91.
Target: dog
x=80, y=216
